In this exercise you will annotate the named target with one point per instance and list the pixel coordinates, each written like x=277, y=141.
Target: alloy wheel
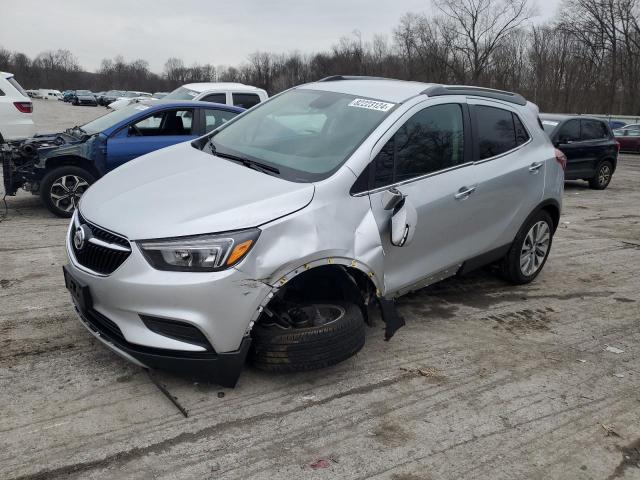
x=534, y=248
x=66, y=191
x=604, y=175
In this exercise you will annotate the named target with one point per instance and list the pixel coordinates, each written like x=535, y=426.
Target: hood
x=180, y=190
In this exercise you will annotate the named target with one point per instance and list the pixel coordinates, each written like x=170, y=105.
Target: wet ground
x=485, y=381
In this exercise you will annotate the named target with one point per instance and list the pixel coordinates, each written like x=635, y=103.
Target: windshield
x=306, y=134
x=181, y=93
x=83, y=92
x=110, y=119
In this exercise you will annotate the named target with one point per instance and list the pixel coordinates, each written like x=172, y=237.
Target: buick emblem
x=80, y=237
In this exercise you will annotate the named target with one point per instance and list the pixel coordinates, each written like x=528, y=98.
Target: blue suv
x=61, y=166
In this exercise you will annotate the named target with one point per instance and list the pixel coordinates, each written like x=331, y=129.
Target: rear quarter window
x=594, y=130
x=245, y=100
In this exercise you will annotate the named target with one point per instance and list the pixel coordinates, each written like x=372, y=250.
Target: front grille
x=103, y=255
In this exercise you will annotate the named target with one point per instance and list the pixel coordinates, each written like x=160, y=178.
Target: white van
x=47, y=94
x=237, y=94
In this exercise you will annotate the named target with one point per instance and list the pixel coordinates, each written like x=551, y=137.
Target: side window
x=245, y=100
x=215, y=118
x=215, y=98
x=1, y=93
x=431, y=140
x=522, y=136
x=171, y=122
x=569, y=132
x=496, y=131
x=593, y=130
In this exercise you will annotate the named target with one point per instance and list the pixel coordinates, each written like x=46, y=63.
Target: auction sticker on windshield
x=372, y=105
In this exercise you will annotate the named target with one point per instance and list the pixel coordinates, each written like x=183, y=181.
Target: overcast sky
x=220, y=32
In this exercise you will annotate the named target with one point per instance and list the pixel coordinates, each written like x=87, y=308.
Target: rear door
x=597, y=145
x=157, y=130
x=509, y=177
x=569, y=141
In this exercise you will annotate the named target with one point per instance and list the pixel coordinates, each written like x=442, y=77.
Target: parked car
x=237, y=94
x=67, y=95
x=110, y=97
x=48, y=94
x=16, y=121
x=633, y=126
x=629, y=139
x=61, y=166
x=276, y=231
x=128, y=98
x=614, y=124
x=84, y=97
x=588, y=143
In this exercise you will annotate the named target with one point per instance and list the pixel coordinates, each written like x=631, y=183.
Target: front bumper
x=221, y=368
x=220, y=304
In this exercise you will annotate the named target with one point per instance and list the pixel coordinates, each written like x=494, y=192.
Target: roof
x=204, y=87
x=389, y=90
x=399, y=91
x=188, y=103
x=561, y=117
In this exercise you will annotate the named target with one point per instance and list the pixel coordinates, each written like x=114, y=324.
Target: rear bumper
x=19, y=130
x=221, y=368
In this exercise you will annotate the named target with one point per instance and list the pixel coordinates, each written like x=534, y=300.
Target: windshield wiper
x=247, y=162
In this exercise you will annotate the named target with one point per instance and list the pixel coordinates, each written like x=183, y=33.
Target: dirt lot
x=486, y=380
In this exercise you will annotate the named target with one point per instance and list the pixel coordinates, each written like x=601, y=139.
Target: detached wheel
x=62, y=187
x=317, y=336
x=529, y=250
x=604, y=172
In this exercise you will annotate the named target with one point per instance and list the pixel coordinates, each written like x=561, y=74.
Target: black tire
x=310, y=348
x=603, y=175
x=510, y=266
x=60, y=207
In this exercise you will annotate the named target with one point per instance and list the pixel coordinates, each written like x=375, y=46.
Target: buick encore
x=273, y=236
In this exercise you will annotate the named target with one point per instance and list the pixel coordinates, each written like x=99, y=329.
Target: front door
x=158, y=130
x=428, y=159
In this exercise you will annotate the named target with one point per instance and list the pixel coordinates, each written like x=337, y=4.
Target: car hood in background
x=180, y=190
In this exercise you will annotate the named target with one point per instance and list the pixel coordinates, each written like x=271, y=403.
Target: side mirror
x=403, y=223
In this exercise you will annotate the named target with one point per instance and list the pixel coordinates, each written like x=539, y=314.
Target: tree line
x=587, y=59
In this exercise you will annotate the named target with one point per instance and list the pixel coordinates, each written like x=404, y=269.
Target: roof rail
x=441, y=90
x=335, y=78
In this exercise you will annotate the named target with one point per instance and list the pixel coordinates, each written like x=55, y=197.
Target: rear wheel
x=62, y=187
x=308, y=336
x=602, y=177
x=529, y=250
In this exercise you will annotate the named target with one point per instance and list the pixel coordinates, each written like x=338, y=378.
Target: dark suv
x=589, y=145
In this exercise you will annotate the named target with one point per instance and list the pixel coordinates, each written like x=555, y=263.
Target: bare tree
x=478, y=28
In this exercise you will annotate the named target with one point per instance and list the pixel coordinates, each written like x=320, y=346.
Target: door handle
x=535, y=166
x=464, y=192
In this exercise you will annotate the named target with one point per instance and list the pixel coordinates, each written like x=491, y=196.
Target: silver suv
x=274, y=236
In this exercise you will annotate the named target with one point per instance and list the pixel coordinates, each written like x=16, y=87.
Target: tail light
x=561, y=158
x=24, y=107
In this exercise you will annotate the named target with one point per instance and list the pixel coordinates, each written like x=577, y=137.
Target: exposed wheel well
x=329, y=282
x=75, y=161
x=613, y=161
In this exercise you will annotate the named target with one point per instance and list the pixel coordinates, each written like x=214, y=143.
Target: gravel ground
x=486, y=381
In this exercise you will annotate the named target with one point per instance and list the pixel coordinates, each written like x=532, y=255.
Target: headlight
x=199, y=253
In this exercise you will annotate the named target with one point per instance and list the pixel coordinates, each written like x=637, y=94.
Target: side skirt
x=483, y=259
